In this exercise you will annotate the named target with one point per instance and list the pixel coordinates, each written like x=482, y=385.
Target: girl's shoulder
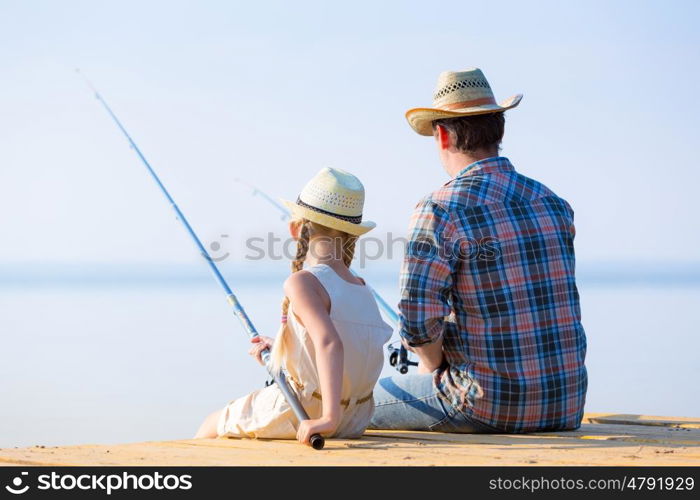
x=300, y=281
x=304, y=286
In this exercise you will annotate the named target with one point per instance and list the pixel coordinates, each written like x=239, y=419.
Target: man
x=488, y=295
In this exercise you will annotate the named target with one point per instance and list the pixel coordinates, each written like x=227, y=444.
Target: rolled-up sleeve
x=426, y=275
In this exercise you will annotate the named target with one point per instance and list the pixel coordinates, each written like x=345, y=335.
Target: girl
x=332, y=335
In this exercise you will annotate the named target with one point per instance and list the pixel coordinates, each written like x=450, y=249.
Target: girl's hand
x=261, y=343
x=308, y=428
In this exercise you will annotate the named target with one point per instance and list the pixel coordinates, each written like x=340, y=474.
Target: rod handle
x=317, y=442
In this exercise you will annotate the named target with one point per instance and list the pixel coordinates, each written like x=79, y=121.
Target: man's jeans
x=411, y=402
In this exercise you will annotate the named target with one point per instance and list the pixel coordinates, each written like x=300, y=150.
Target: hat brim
x=329, y=220
x=421, y=119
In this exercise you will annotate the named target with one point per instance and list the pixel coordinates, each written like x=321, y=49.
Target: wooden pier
x=603, y=439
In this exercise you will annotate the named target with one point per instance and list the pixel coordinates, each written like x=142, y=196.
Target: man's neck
x=457, y=161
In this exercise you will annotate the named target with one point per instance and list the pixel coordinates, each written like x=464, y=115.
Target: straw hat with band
x=459, y=93
x=333, y=198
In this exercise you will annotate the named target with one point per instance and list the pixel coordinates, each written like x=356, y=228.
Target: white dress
x=354, y=313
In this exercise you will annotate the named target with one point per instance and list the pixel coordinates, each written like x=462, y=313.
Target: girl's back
x=355, y=315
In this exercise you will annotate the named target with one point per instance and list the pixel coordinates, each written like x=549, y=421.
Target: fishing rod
x=398, y=357
x=317, y=441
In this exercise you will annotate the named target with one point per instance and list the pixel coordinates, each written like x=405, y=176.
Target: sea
x=143, y=352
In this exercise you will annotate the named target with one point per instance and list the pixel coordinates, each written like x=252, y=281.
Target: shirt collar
x=487, y=166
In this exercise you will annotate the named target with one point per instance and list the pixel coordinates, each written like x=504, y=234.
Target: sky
x=271, y=92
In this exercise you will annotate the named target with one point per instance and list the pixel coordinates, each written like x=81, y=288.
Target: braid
x=298, y=262
x=279, y=348
x=349, y=249
x=302, y=247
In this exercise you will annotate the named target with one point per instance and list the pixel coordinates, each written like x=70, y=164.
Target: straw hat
x=333, y=198
x=459, y=93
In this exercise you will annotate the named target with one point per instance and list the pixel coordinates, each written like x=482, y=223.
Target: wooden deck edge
x=630, y=419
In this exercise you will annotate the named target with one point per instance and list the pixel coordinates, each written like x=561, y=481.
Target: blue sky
x=270, y=92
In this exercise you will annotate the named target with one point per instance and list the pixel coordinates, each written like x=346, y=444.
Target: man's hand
x=308, y=428
x=404, y=342
x=430, y=356
x=261, y=343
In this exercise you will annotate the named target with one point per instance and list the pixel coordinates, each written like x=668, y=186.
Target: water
x=112, y=356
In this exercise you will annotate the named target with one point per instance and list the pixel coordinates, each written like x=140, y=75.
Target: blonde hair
x=308, y=228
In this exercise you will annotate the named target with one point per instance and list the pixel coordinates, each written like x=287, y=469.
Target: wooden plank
x=601, y=432
x=627, y=419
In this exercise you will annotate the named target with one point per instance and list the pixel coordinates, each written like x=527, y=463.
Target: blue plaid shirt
x=490, y=269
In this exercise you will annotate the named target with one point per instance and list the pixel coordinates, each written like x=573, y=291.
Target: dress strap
x=327, y=277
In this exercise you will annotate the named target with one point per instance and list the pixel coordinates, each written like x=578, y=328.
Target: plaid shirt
x=490, y=269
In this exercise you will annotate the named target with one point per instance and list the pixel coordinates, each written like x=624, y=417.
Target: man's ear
x=443, y=137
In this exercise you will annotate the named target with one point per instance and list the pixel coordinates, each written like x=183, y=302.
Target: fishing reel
x=398, y=358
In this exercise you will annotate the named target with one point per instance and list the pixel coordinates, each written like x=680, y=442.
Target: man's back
x=502, y=272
